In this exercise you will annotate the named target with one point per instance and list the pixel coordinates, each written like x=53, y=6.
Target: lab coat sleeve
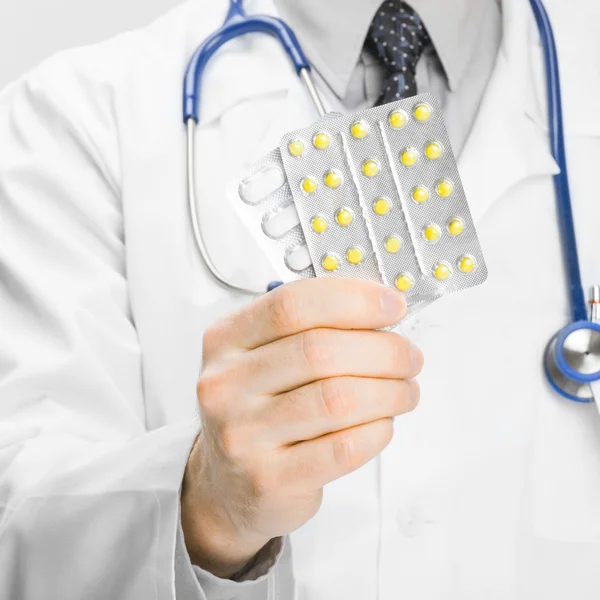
x=269, y=575
x=89, y=499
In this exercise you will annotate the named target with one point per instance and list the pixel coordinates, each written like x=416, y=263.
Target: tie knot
x=398, y=37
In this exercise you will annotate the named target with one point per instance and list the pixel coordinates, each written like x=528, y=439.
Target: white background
x=31, y=30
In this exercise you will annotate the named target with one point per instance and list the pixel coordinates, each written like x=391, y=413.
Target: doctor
x=491, y=489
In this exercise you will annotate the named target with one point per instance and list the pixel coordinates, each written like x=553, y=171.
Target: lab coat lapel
x=508, y=143
x=295, y=111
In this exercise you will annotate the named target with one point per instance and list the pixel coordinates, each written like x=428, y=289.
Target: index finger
x=337, y=303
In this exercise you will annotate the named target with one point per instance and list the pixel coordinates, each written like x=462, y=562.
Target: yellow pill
x=432, y=233
x=422, y=112
x=433, y=151
x=321, y=140
x=319, y=224
x=445, y=188
x=397, y=119
x=370, y=168
x=296, y=148
x=420, y=194
x=409, y=157
x=344, y=217
x=354, y=256
x=333, y=179
x=382, y=206
x=309, y=185
x=330, y=262
x=404, y=282
x=466, y=264
x=392, y=244
x=455, y=227
x=360, y=130
x=442, y=271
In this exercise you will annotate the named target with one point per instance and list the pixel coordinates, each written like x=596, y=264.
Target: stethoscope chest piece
x=572, y=360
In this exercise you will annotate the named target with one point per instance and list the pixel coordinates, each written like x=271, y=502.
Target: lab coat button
x=409, y=522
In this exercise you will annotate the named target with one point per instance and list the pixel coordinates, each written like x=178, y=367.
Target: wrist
x=210, y=547
x=212, y=541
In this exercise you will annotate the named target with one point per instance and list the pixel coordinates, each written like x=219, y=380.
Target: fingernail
x=393, y=304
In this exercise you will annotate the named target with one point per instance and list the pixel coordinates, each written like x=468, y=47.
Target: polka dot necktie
x=398, y=37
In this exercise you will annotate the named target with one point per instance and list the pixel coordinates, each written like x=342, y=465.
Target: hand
x=297, y=389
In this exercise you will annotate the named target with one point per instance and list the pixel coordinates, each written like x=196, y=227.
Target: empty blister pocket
x=280, y=221
x=260, y=185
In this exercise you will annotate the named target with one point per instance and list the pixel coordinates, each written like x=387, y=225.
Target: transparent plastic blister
x=263, y=200
x=377, y=196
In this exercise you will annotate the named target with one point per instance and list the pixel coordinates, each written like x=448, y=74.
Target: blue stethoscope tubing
x=237, y=23
x=556, y=362
x=562, y=375
x=561, y=179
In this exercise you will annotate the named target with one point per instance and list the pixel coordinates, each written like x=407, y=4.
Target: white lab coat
x=490, y=489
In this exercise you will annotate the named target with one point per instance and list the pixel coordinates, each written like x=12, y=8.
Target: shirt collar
x=332, y=33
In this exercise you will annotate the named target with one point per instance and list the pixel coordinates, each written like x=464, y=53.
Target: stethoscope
x=572, y=357
x=237, y=23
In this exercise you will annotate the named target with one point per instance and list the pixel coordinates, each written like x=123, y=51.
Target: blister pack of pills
x=374, y=195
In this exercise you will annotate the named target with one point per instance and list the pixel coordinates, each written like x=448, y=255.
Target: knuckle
x=232, y=443
x=345, y=452
x=336, y=398
x=316, y=347
x=285, y=312
x=212, y=338
x=218, y=388
x=208, y=391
